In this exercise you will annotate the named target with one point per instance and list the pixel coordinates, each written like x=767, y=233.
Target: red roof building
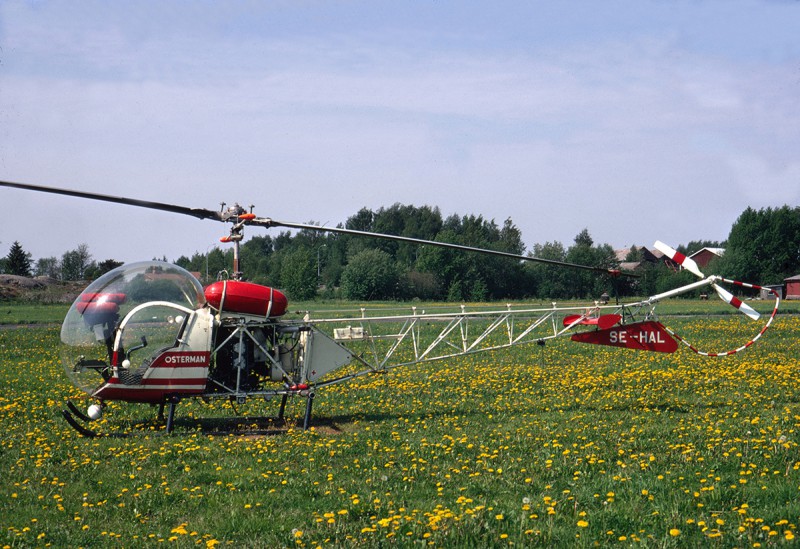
x=704, y=256
x=792, y=287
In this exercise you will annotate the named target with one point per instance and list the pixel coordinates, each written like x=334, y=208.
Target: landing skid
x=306, y=417
x=74, y=423
x=76, y=412
x=72, y=412
x=76, y=418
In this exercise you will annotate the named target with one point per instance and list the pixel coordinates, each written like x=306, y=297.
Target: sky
x=638, y=120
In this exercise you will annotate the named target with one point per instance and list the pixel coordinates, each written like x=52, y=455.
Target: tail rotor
x=690, y=265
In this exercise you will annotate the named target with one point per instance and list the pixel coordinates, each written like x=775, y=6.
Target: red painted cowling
x=233, y=296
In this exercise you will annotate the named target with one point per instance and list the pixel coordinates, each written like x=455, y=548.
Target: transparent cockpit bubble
x=88, y=331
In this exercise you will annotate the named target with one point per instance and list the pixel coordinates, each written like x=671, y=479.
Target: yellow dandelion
x=181, y=529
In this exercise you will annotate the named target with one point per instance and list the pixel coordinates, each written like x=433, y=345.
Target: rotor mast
x=239, y=217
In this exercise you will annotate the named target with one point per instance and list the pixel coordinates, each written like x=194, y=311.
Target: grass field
x=15, y=313
x=565, y=445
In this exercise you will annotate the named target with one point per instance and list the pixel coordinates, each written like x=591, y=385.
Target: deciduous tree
x=371, y=274
x=763, y=246
x=74, y=263
x=299, y=273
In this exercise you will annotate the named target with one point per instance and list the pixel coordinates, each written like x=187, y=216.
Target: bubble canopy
x=87, y=334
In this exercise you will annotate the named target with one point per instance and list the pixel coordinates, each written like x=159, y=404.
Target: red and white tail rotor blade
x=686, y=262
x=728, y=297
x=690, y=265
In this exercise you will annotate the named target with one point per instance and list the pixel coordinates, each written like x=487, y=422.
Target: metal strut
x=307, y=418
x=171, y=415
x=282, y=409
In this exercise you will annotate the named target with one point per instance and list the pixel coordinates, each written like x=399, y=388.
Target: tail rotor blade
x=686, y=262
x=690, y=265
x=728, y=297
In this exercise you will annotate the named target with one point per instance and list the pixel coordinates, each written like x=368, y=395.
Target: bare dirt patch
x=40, y=289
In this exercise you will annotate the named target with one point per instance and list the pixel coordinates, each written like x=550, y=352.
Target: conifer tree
x=18, y=261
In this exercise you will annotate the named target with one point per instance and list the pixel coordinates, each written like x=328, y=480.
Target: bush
x=370, y=274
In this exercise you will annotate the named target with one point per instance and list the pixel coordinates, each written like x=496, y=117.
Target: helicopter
x=149, y=332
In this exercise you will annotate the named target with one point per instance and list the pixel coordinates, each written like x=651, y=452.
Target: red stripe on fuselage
x=140, y=393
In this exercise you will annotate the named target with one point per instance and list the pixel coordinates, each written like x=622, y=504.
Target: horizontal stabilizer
x=645, y=336
x=602, y=321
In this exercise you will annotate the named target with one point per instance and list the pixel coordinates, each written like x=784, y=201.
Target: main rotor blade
x=265, y=222
x=686, y=262
x=201, y=213
x=734, y=301
x=194, y=212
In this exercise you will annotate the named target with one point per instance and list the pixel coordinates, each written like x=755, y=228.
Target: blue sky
x=638, y=120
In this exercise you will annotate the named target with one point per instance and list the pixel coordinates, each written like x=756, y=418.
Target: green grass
x=26, y=313
x=565, y=445
x=30, y=313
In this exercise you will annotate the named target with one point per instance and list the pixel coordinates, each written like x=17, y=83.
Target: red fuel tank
x=233, y=296
x=100, y=308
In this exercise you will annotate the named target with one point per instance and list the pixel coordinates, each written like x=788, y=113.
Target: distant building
x=661, y=258
x=159, y=274
x=765, y=293
x=704, y=256
x=648, y=256
x=792, y=287
x=629, y=266
x=701, y=257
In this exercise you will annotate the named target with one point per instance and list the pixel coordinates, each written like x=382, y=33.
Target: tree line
x=763, y=246
x=73, y=265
